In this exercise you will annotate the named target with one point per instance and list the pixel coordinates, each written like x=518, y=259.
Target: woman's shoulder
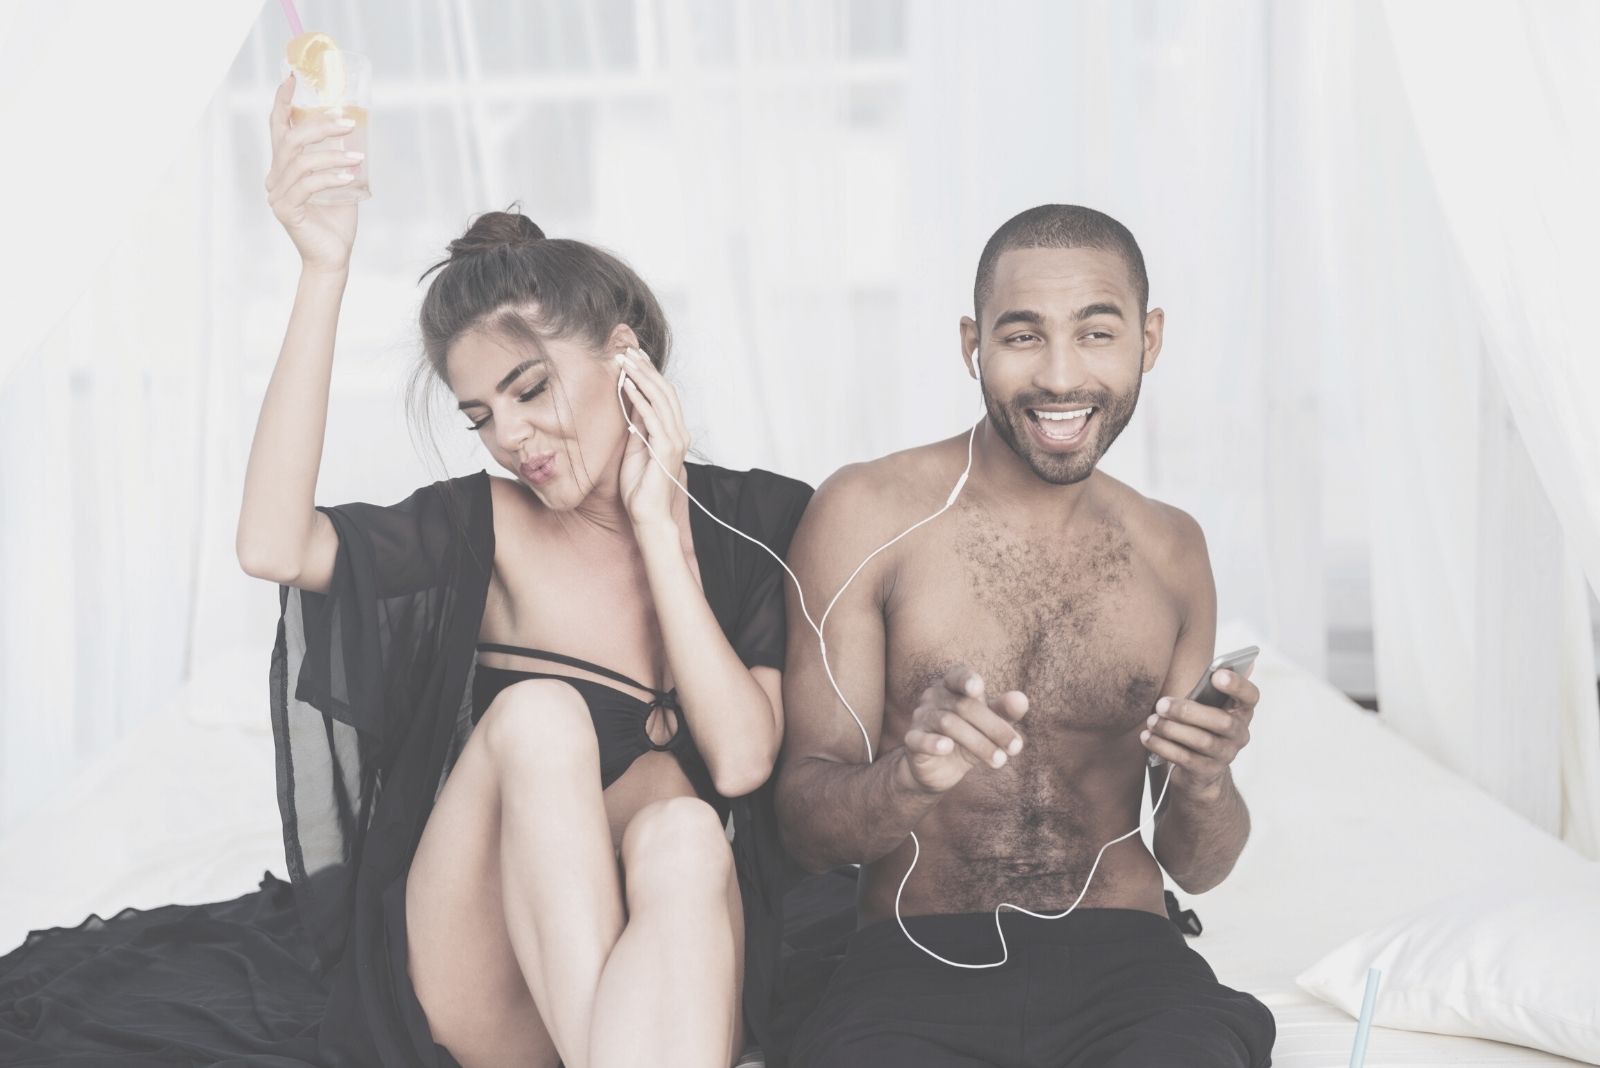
x=467, y=499
x=754, y=484
x=433, y=499
x=755, y=498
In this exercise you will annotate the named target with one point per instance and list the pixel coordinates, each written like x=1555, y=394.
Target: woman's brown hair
x=505, y=277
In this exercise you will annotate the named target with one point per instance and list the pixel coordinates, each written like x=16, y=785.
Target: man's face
x=1062, y=349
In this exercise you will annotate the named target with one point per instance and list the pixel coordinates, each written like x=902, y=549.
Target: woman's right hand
x=324, y=233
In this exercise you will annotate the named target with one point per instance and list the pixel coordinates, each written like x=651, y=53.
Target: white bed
x=1351, y=827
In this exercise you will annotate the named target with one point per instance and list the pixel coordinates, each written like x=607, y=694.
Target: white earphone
x=822, y=644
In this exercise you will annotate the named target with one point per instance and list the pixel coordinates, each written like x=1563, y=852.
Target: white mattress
x=184, y=810
x=1351, y=827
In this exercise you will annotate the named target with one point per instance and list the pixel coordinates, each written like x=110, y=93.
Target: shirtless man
x=1007, y=660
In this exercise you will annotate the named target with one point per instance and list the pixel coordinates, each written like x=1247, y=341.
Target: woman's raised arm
x=281, y=536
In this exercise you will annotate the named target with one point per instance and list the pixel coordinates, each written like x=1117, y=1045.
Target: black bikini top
x=665, y=698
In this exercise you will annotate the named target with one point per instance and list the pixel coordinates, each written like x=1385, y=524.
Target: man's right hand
x=956, y=728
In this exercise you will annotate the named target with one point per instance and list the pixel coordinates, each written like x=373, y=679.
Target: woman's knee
x=541, y=726
x=678, y=841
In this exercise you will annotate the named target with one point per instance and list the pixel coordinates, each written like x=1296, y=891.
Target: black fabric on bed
x=371, y=704
x=228, y=982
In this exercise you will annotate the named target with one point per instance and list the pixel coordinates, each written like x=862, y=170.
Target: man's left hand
x=1199, y=741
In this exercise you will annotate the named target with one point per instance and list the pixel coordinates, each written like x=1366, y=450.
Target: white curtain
x=114, y=92
x=1157, y=114
x=1483, y=639
x=1507, y=111
x=807, y=185
x=102, y=364
x=1506, y=101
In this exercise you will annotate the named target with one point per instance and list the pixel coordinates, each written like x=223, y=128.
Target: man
x=1006, y=661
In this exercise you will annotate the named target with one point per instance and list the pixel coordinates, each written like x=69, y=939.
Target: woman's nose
x=512, y=434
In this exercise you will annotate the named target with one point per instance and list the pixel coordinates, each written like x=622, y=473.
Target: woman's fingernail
x=345, y=176
x=1224, y=678
x=1152, y=721
x=1015, y=746
x=1164, y=705
x=999, y=758
x=1144, y=736
x=355, y=155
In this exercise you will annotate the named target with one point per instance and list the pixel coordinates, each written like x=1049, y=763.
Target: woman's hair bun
x=497, y=229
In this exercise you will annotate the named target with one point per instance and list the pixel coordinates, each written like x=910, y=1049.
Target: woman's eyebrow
x=504, y=383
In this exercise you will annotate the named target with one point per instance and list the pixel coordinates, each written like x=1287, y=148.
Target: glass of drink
x=338, y=86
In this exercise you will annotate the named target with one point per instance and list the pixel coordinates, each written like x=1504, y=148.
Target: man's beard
x=1111, y=414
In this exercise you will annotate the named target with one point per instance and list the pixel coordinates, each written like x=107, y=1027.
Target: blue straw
x=1369, y=1000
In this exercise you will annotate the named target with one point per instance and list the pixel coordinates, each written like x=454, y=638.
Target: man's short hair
x=1060, y=226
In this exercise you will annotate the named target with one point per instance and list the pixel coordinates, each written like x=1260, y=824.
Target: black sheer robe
x=371, y=704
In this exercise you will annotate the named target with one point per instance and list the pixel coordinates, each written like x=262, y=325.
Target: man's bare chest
x=1085, y=626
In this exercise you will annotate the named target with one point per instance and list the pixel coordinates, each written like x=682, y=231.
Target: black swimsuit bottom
x=619, y=718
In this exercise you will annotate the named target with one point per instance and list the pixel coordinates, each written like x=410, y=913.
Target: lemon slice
x=317, y=58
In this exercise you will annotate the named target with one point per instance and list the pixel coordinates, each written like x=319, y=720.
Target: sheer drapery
x=1483, y=641
x=808, y=185
x=99, y=503
x=1155, y=113
x=113, y=92
x=103, y=305
x=1507, y=113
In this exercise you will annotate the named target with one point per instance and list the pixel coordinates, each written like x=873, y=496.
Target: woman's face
x=546, y=413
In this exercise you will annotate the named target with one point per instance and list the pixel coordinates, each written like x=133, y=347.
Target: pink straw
x=293, y=16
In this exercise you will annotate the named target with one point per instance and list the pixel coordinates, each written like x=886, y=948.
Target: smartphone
x=1238, y=662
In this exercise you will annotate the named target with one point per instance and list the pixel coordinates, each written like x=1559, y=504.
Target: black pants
x=1100, y=987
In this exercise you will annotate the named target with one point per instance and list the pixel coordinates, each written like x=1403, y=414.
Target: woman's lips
x=540, y=469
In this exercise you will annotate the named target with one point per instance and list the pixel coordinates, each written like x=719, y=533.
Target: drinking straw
x=293, y=16
x=1369, y=1000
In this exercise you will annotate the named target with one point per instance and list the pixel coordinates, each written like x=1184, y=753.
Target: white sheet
x=179, y=811
x=1351, y=826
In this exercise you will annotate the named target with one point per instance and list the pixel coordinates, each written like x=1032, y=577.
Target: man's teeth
x=1056, y=417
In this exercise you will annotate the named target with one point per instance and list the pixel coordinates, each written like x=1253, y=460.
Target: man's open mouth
x=1061, y=426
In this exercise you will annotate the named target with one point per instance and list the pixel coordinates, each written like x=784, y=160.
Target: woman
x=519, y=856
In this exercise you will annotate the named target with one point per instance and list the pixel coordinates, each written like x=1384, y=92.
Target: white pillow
x=1519, y=966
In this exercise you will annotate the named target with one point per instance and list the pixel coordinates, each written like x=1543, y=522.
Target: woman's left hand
x=647, y=493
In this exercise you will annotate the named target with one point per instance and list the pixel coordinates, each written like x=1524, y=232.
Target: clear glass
x=347, y=92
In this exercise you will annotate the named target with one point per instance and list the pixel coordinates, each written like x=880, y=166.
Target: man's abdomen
x=983, y=846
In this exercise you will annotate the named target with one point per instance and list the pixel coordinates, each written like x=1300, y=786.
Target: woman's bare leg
x=513, y=901
x=558, y=868
x=670, y=993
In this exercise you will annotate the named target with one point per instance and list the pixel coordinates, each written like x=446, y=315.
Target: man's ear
x=1155, y=323
x=969, y=345
x=623, y=337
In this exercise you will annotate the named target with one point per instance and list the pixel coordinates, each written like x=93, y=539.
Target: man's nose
x=1062, y=369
